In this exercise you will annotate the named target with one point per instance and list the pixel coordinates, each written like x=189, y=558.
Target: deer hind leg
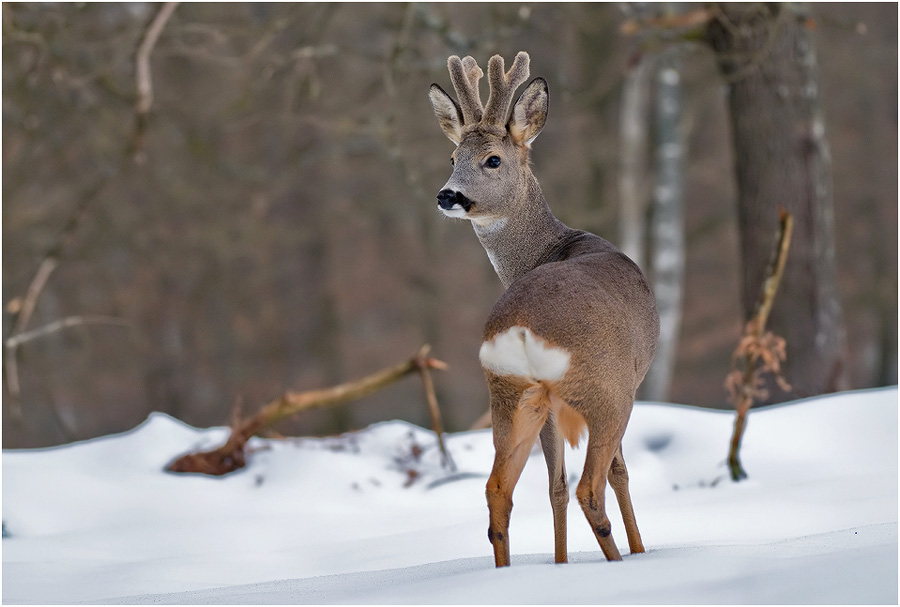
x=592, y=489
x=618, y=478
x=517, y=417
x=554, y=454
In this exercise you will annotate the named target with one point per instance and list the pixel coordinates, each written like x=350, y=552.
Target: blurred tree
x=660, y=30
x=282, y=233
x=634, y=124
x=782, y=159
x=667, y=221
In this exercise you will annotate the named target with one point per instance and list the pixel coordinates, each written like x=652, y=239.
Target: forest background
x=271, y=224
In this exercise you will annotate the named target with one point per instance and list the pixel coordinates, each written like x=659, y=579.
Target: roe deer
x=568, y=343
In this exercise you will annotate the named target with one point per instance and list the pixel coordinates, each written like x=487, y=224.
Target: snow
x=371, y=517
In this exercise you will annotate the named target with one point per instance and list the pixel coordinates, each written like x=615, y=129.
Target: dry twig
x=758, y=346
x=424, y=365
x=63, y=323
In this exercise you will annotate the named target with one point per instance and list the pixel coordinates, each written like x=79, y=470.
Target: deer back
x=591, y=303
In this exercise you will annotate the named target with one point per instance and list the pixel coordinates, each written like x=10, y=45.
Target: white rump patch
x=517, y=351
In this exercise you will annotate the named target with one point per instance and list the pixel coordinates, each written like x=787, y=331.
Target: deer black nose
x=446, y=199
x=451, y=199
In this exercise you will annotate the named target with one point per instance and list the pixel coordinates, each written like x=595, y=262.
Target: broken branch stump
x=436, y=423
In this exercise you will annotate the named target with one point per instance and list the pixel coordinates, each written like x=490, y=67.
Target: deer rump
x=519, y=353
x=572, y=332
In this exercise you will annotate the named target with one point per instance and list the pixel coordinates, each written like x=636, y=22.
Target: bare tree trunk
x=667, y=224
x=782, y=159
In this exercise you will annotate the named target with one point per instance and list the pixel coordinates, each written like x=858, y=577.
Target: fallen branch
x=231, y=456
x=757, y=345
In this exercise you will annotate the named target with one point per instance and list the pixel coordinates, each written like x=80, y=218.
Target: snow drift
x=371, y=517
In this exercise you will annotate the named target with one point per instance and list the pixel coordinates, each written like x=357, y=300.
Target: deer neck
x=519, y=242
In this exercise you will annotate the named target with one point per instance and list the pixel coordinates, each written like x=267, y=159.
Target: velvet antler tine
x=497, y=84
x=503, y=85
x=473, y=74
x=518, y=73
x=465, y=73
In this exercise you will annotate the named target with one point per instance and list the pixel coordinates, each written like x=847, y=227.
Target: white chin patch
x=518, y=351
x=454, y=211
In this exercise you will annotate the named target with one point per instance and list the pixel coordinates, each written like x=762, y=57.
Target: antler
x=503, y=86
x=465, y=75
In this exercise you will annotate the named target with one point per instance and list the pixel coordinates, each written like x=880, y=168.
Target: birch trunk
x=633, y=174
x=667, y=224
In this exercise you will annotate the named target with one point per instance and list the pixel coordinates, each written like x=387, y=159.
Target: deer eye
x=452, y=161
x=493, y=162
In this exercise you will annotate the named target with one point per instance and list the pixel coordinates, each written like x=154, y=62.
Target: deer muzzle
x=452, y=201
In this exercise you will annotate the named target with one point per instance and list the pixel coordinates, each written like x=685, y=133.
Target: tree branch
x=57, y=325
x=668, y=21
x=144, y=82
x=24, y=307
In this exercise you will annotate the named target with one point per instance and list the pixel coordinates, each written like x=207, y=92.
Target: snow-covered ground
x=371, y=517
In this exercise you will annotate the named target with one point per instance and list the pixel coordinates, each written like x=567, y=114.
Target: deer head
x=491, y=177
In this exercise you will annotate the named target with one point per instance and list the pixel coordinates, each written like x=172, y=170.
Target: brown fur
x=573, y=291
x=571, y=423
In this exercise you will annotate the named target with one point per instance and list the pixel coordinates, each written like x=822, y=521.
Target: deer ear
x=448, y=113
x=530, y=112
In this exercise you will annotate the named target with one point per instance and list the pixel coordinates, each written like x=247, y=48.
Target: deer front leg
x=554, y=454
